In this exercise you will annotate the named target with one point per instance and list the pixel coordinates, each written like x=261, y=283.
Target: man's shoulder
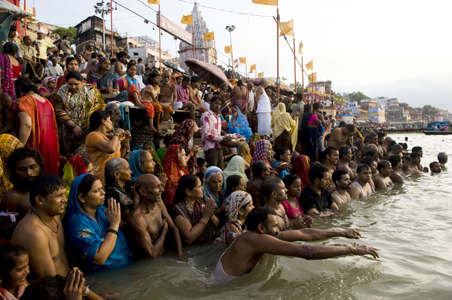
x=28, y=231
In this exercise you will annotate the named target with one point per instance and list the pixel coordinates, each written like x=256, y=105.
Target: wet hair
x=350, y=127
x=69, y=59
x=86, y=160
x=24, y=85
x=416, y=149
x=392, y=143
x=362, y=167
x=342, y=124
x=397, y=147
x=186, y=182
x=270, y=185
x=367, y=161
x=382, y=164
x=95, y=120
x=9, y=255
x=442, y=156
x=74, y=74
x=232, y=182
x=46, y=288
x=258, y=168
x=195, y=79
x=433, y=164
x=394, y=160
x=186, y=79
x=337, y=175
x=240, y=82
x=151, y=77
x=381, y=134
x=307, y=107
x=414, y=155
x=317, y=172
x=215, y=98
x=257, y=216
x=45, y=185
x=114, y=112
x=111, y=167
x=166, y=139
x=279, y=152
x=86, y=184
x=20, y=154
x=289, y=179
x=130, y=64
x=200, y=161
x=404, y=146
x=316, y=106
x=10, y=48
x=343, y=151
x=121, y=54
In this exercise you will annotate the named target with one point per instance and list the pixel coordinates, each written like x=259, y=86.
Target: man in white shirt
x=55, y=69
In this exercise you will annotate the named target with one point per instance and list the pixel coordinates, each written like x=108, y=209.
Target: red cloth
x=77, y=164
x=173, y=172
x=300, y=167
x=292, y=212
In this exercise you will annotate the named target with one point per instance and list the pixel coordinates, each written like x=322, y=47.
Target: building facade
x=382, y=101
x=90, y=32
x=144, y=47
x=377, y=114
x=368, y=104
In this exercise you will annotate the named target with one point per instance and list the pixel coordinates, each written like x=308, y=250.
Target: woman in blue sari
x=239, y=124
x=214, y=187
x=93, y=230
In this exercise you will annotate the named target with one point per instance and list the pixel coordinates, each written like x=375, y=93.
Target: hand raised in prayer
x=163, y=179
x=351, y=233
x=195, y=149
x=75, y=285
x=127, y=135
x=113, y=213
x=208, y=209
x=363, y=250
x=121, y=132
x=78, y=132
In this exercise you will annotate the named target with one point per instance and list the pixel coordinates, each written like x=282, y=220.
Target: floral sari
x=182, y=136
x=173, y=172
x=8, y=144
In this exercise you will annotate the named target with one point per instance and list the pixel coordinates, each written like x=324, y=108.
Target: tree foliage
x=357, y=96
x=299, y=87
x=71, y=32
x=430, y=110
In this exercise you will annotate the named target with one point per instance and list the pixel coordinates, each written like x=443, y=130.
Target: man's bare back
x=336, y=139
x=239, y=92
x=254, y=188
x=345, y=166
x=16, y=201
x=167, y=92
x=396, y=177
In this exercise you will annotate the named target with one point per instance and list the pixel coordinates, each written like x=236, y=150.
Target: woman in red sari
x=300, y=167
x=38, y=128
x=174, y=166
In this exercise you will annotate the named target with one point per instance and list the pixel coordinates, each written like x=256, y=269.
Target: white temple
x=204, y=50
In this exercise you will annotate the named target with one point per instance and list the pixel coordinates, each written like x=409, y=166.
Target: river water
x=409, y=226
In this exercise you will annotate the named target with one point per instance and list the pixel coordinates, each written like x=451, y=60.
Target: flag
x=300, y=48
x=313, y=77
x=187, y=20
x=310, y=65
x=154, y=1
x=253, y=68
x=210, y=36
x=260, y=75
x=242, y=60
x=228, y=49
x=286, y=28
x=236, y=66
x=236, y=61
x=266, y=2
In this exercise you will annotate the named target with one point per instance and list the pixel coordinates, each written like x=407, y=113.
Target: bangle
x=202, y=223
x=352, y=249
x=86, y=292
x=112, y=230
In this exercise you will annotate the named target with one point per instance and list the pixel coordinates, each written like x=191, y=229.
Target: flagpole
x=111, y=29
x=232, y=57
x=246, y=70
x=193, y=38
x=277, y=52
x=160, y=40
x=216, y=54
x=302, y=76
x=294, y=63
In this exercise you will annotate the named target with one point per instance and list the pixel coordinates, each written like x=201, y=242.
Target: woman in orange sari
x=174, y=166
x=103, y=143
x=38, y=127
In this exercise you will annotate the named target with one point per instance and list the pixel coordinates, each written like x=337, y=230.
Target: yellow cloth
x=260, y=75
x=286, y=28
x=281, y=120
x=242, y=60
x=266, y=2
x=154, y=1
x=187, y=20
x=228, y=49
x=310, y=65
x=8, y=144
x=253, y=68
x=210, y=36
x=300, y=48
x=244, y=152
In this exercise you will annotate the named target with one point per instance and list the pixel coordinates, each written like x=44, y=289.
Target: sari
x=8, y=144
x=236, y=166
x=281, y=123
x=244, y=129
x=77, y=107
x=74, y=167
x=182, y=136
x=8, y=296
x=135, y=164
x=300, y=167
x=260, y=152
x=232, y=229
x=44, y=131
x=106, y=81
x=45, y=89
x=97, y=156
x=130, y=85
x=208, y=193
x=7, y=78
x=173, y=172
x=86, y=235
x=244, y=152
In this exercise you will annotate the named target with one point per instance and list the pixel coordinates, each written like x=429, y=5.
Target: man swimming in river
x=263, y=236
x=383, y=179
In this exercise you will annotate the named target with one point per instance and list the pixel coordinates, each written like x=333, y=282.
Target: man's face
x=333, y=158
x=348, y=156
x=215, y=105
x=345, y=183
x=123, y=59
x=271, y=226
x=27, y=41
x=386, y=171
x=365, y=175
x=12, y=34
x=54, y=203
x=195, y=84
x=179, y=80
x=281, y=192
x=154, y=190
x=166, y=77
x=79, y=57
x=436, y=168
x=420, y=152
x=324, y=181
x=381, y=140
x=27, y=168
x=417, y=160
x=185, y=84
x=41, y=36
x=286, y=156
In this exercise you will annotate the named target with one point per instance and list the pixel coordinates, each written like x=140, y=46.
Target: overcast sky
x=387, y=48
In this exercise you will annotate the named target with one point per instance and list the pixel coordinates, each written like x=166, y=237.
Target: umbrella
x=11, y=9
x=284, y=89
x=210, y=73
x=173, y=66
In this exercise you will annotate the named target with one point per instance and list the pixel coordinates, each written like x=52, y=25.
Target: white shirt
x=264, y=105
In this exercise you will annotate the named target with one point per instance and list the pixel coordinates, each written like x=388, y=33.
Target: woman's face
x=108, y=124
x=74, y=85
x=148, y=163
x=182, y=159
x=72, y=66
x=202, y=169
x=89, y=169
x=52, y=84
x=294, y=189
x=96, y=196
x=156, y=80
x=18, y=274
x=132, y=71
x=106, y=65
x=215, y=182
x=196, y=192
x=240, y=187
x=125, y=174
x=269, y=152
x=244, y=211
x=235, y=113
x=148, y=148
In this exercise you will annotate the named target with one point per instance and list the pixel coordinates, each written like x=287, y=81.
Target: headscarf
x=281, y=120
x=45, y=84
x=73, y=207
x=8, y=144
x=182, y=135
x=244, y=152
x=207, y=191
x=236, y=166
x=99, y=63
x=173, y=172
x=7, y=76
x=260, y=152
x=236, y=201
x=300, y=167
x=135, y=164
x=245, y=130
x=75, y=166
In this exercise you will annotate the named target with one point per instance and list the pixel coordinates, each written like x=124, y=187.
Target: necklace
x=284, y=217
x=58, y=225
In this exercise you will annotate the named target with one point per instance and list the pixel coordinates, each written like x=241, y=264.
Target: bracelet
x=202, y=223
x=86, y=292
x=112, y=230
x=353, y=249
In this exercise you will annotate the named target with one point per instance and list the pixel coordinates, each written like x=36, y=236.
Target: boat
x=437, y=132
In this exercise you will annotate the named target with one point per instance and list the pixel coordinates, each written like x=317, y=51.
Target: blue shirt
x=282, y=173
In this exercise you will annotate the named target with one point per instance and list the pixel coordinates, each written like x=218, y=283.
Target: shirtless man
x=6, y=114
x=88, y=52
x=120, y=65
x=361, y=187
x=345, y=157
x=383, y=179
x=148, y=223
x=435, y=167
x=380, y=139
x=41, y=231
x=195, y=98
x=413, y=166
x=442, y=159
x=340, y=136
x=24, y=165
x=263, y=236
x=396, y=163
x=418, y=149
x=396, y=150
x=343, y=184
x=239, y=93
x=168, y=94
x=261, y=170
x=330, y=161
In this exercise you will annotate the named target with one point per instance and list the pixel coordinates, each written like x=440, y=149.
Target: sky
x=393, y=48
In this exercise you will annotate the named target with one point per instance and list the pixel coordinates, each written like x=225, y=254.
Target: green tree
x=430, y=111
x=71, y=32
x=299, y=87
x=357, y=96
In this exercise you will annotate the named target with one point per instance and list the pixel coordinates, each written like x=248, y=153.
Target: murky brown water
x=410, y=226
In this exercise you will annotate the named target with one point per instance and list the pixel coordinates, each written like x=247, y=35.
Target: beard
x=24, y=184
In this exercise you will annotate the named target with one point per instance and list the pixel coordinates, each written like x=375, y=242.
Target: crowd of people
x=77, y=198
